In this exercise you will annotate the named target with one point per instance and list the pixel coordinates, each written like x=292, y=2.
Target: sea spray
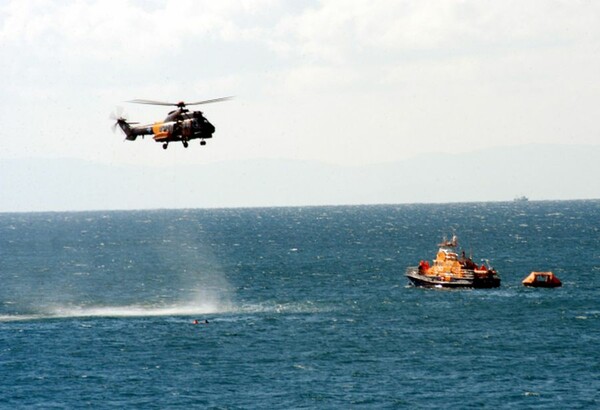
x=110, y=264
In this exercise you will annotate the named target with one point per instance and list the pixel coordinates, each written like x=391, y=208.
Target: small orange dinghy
x=542, y=280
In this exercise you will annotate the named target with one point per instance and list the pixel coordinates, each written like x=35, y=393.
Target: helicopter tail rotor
x=120, y=120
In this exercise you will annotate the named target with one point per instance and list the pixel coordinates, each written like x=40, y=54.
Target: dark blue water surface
x=307, y=308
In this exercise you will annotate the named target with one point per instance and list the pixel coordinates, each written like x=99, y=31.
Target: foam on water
x=190, y=309
x=20, y=318
x=116, y=311
x=282, y=308
x=134, y=311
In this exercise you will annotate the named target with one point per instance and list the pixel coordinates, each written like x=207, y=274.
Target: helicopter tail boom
x=124, y=125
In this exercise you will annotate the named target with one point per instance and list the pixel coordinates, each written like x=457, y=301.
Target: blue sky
x=345, y=82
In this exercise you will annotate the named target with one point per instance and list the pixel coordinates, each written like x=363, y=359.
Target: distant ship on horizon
x=522, y=198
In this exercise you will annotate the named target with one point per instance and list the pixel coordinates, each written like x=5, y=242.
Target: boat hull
x=542, y=285
x=452, y=282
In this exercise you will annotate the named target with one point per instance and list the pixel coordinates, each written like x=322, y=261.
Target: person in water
x=204, y=322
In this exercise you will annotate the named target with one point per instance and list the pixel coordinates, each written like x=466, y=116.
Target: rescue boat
x=542, y=280
x=449, y=270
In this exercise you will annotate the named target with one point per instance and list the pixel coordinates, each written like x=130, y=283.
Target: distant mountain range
x=501, y=174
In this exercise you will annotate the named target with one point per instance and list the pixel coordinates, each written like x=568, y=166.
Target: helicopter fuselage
x=179, y=125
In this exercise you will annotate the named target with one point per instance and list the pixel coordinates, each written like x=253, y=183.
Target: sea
x=291, y=308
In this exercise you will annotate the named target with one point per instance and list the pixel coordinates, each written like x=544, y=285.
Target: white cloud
x=336, y=31
x=124, y=30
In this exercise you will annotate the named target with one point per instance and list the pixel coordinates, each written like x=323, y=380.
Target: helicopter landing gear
x=165, y=145
x=202, y=142
x=185, y=144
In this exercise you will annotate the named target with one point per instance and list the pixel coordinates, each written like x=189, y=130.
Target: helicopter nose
x=210, y=128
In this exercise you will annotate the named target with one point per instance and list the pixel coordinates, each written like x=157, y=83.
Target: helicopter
x=180, y=124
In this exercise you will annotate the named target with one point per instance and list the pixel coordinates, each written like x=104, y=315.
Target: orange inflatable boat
x=542, y=280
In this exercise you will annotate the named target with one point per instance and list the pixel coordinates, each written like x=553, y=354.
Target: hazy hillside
x=538, y=171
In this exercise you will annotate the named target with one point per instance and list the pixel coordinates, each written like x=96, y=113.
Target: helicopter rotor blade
x=119, y=117
x=116, y=114
x=178, y=104
x=117, y=123
x=150, y=102
x=211, y=101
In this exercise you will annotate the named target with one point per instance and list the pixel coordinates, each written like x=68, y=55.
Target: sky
x=349, y=82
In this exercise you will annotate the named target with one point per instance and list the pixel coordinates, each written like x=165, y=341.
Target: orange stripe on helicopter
x=158, y=132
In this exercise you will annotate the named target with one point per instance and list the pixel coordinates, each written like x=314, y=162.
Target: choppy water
x=307, y=307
